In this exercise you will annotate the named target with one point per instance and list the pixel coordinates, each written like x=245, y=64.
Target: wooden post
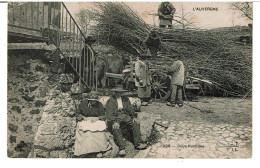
x=49, y=14
x=31, y=14
x=96, y=80
x=84, y=61
x=26, y=14
x=131, y=68
x=80, y=65
x=37, y=17
x=43, y=15
x=70, y=37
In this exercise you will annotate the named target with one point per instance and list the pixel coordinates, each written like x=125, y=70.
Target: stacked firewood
x=209, y=54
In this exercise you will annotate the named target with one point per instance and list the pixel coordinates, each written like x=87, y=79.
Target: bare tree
x=83, y=19
x=244, y=8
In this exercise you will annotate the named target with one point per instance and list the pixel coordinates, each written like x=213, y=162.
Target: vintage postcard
x=130, y=80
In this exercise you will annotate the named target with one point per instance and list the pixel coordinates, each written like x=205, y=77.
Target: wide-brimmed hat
x=91, y=96
x=119, y=88
x=154, y=35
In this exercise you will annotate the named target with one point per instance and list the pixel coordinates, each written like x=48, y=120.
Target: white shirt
x=177, y=77
x=119, y=103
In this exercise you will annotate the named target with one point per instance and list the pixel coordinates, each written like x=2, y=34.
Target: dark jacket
x=93, y=111
x=165, y=8
x=154, y=43
x=112, y=108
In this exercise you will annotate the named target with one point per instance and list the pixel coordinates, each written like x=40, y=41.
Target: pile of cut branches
x=213, y=54
x=119, y=26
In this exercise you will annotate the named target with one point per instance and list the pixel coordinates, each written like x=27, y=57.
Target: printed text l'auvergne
x=205, y=9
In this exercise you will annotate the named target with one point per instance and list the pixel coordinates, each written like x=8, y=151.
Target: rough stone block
x=49, y=118
x=50, y=142
x=69, y=112
x=40, y=103
x=28, y=128
x=12, y=127
x=38, y=119
x=33, y=88
x=54, y=69
x=39, y=68
x=16, y=108
x=36, y=111
x=75, y=88
x=67, y=78
x=10, y=153
x=65, y=87
x=146, y=123
x=39, y=153
x=21, y=90
x=63, y=154
x=54, y=154
x=67, y=126
x=48, y=129
x=13, y=100
x=12, y=139
x=43, y=91
x=28, y=98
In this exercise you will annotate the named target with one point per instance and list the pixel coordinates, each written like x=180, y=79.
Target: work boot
x=141, y=146
x=172, y=104
x=180, y=104
x=122, y=153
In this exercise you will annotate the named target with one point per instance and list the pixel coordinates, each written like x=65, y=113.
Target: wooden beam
x=34, y=46
x=25, y=31
x=116, y=76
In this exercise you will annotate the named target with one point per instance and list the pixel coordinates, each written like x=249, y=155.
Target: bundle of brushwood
x=213, y=54
x=119, y=26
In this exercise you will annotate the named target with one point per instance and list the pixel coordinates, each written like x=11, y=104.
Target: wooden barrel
x=135, y=102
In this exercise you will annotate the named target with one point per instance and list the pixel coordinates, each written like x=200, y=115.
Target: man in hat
x=119, y=112
x=142, y=81
x=177, y=80
x=166, y=11
x=152, y=43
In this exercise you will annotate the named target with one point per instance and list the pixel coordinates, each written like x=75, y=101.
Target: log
x=112, y=75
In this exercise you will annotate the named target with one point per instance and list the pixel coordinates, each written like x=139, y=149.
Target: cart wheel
x=160, y=86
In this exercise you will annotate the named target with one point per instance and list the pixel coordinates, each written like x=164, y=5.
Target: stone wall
x=31, y=75
x=55, y=135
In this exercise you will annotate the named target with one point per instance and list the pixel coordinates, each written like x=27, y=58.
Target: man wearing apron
x=166, y=11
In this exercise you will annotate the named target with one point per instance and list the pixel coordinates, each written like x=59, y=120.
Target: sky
x=224, y=17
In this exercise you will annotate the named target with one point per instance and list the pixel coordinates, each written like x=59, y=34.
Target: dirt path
x=232, y=111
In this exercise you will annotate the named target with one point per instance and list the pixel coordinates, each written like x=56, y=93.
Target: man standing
x=177, y=79
x=166, y=11
x=152, y=43
x=142, y=81
x=119, y=111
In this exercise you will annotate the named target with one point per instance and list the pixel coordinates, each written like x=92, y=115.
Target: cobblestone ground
x=199, y=138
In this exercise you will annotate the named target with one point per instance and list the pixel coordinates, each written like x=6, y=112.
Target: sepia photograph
x=159, y=79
